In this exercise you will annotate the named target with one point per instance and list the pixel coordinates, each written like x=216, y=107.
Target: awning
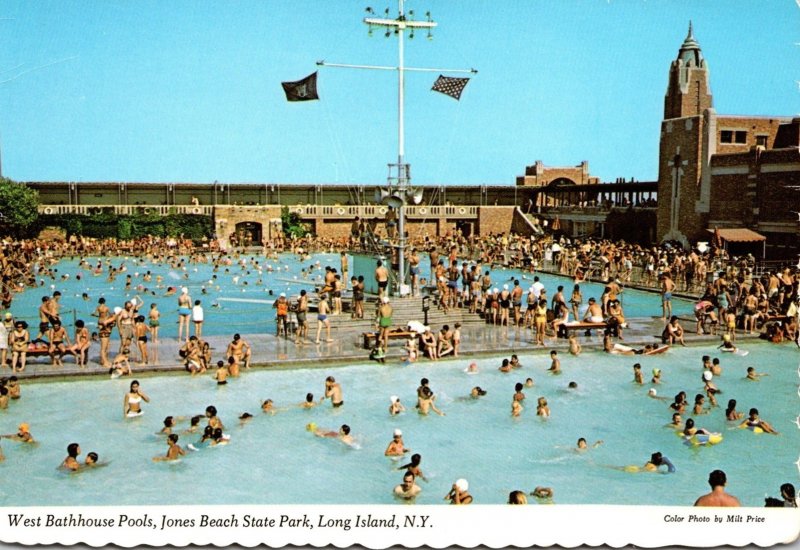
x=739, y=235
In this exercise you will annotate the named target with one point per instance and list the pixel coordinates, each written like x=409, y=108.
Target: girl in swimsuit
x=131, y=403
x=184, y=312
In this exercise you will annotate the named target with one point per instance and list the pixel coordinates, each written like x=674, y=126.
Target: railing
x=126, y=209
x=304, y=210
x=593, y=209
x=373, y=211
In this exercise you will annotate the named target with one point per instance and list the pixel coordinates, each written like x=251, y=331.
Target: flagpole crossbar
x=323, y=63
x=399, y=23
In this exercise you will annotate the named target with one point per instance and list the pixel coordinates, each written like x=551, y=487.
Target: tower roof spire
x=690, y=50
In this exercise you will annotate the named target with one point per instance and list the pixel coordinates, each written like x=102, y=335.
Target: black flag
x=450, y=86
x=302, y=90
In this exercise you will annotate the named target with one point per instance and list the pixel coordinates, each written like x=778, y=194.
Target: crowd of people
x=731, y=299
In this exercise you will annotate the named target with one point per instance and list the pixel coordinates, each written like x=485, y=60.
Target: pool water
x=274, y=460
x=239, y=299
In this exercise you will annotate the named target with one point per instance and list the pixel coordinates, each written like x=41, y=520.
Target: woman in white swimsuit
x=131, y=404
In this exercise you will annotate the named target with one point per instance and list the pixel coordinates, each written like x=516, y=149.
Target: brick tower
x=685, y=147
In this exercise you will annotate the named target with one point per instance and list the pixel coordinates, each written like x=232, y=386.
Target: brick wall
x=538, y=174
x=495, y=219
x=681, y=137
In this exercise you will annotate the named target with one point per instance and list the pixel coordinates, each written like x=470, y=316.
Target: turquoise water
x=274, y=460
x=238, y=299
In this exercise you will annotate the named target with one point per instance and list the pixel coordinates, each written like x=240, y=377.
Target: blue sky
x=189, y=91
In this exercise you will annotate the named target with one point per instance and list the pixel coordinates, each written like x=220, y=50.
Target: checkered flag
x=450, y=86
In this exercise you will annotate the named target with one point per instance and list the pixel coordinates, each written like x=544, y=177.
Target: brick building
x=724, y=171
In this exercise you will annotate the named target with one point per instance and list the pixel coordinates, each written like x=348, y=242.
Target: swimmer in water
x=731, y=413
x=131, y=403
x=541, y=408
x=458, y=493
x=408, y=489
x=753, y=421
x=333, y=391
x=583, y=446
x=343, y=434
x=676, y=422
x=555, y=365
x=174, y=451
x=396, y=446
x=574, y=345
x=637, y=374
x=395, y=407
x=71, y=462
x=542, y=493
x=690, y=429
x=309, y=402
x=753, y=375
x=413, y=467
x=23, y=434
x=425, y=402
x=656, y=376
x=656, y=461
x=268, y=407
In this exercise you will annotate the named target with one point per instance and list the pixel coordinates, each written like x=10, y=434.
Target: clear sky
x=189, y=91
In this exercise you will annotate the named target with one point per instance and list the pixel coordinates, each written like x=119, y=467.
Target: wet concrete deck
x=270, y=351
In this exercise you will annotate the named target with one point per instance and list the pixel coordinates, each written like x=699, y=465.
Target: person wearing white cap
x=458, y=494
x=396, y=407
x=396, y=446
x=184, y=313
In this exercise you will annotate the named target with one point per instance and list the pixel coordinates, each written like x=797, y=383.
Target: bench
x=393, y=335
x=565, y=328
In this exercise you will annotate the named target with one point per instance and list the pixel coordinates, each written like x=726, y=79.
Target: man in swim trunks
x=382, y=278
x=594, y=313
x=717, y=497
x=239, y=349
x=413, y=268
x=323, y=309
x=408, y=489
x=667, y=286
x=301, y=312
x=334, y=391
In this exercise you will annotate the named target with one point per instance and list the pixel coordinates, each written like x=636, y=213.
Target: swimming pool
x=274, y=460
x=239, y=299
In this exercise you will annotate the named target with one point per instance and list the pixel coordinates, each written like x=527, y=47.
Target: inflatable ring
x=382, y=210
x=423, y=210
x=196, y=210
x=462, y=210
x=148, y=211
x=705, y=439
x=48, y=210
x=299, y=210
x=340, y=211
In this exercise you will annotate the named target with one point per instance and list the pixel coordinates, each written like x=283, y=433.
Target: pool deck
x=270, y=351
